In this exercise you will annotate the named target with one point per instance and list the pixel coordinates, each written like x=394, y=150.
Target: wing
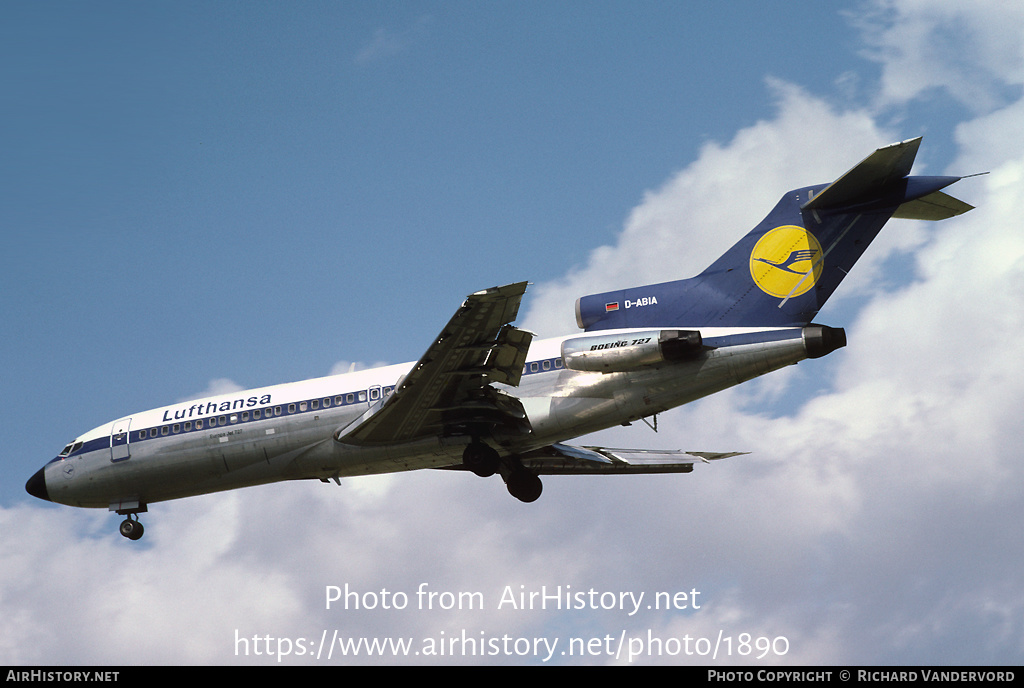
x=449, y=389
x=564, y=459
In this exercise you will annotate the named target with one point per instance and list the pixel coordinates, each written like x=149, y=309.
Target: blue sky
x=198, y=196
x=255, y=191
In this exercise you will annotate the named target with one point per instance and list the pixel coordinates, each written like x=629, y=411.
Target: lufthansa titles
x=211, y=407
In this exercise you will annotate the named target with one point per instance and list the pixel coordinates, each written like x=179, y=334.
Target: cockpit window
x=71, y=448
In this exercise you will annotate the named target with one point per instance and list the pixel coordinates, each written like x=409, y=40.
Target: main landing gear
x=485, y=461
x=523, y=485
x=481, y=458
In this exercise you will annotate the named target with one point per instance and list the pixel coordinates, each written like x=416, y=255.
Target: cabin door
x=119, y=440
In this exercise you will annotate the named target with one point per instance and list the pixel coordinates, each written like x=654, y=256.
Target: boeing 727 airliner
x=488, y=398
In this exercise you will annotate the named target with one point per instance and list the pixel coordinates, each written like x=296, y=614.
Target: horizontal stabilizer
x=564, y=459
x=871, y=176
x=934, y=206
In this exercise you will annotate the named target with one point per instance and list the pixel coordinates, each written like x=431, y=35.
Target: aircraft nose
x=36, y=485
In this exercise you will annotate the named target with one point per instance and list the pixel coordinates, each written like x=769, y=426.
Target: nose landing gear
x=132, y=528
x=130, y=509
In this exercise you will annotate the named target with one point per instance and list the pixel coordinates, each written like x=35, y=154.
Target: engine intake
x=617, y=353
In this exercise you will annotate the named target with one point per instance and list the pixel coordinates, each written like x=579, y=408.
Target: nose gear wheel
x=131, y=528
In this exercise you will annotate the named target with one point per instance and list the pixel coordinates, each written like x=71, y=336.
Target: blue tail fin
x=783, y=271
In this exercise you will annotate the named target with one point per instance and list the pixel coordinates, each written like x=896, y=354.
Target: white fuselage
x=286, y=432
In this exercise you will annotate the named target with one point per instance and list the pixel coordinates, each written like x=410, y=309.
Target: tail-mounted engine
x=821, y=340
x=616, y=353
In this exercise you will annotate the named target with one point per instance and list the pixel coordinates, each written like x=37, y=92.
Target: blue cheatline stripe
x=294, y=408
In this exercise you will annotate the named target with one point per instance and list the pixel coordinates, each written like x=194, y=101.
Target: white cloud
x=972, y=51
x=910, y=459
x=342, y=367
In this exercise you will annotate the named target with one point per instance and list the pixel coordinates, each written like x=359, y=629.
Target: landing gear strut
x=131, y=528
